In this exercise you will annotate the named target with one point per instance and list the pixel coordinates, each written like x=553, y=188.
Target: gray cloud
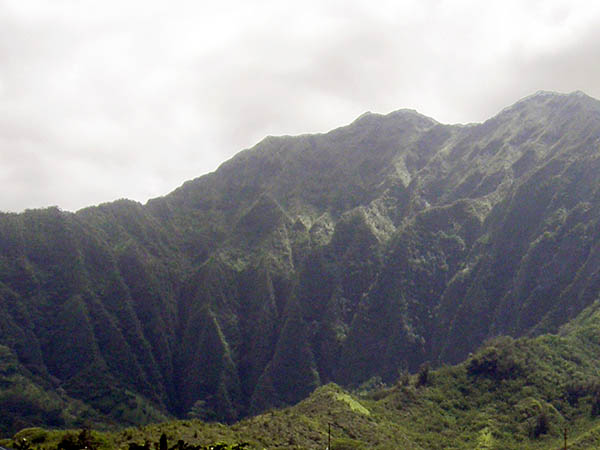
x=102, y=100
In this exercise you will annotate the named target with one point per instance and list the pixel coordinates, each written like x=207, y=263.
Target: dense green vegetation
x=380, y=246
x=510, y=394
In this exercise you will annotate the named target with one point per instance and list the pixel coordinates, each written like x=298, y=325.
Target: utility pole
x=329, y=436
x=565, y=431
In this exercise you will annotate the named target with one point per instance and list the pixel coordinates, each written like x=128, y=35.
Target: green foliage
x=497, y=360
x=348, y=444
x=22, y=444
x=403, y=378
x=335, y=257
x=82, y=440
x=542, y=425
x=424, y=377
x=482, y=404
x=595, y=412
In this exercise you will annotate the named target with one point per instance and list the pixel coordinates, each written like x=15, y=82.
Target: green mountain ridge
x=305, y=260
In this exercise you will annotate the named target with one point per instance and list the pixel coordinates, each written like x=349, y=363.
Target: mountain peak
x=553, y=95
x=404, y=114
x=543, y=103
x=339, y=256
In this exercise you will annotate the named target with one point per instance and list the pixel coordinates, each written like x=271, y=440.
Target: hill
x=338, y=257
x=510, y=394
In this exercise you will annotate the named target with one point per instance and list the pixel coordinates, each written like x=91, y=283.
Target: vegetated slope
x=511, y=394
x=304, y=260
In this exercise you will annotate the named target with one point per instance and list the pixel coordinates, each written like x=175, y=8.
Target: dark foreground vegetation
x=88, y=440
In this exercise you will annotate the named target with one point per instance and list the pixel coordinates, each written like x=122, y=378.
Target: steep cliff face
x=337, y=257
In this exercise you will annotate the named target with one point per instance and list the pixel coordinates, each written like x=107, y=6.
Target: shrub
x=403, y=378
x=83, y=440
x=423, y=377
x=542, y=425
x=596, y=405
x=495, y=362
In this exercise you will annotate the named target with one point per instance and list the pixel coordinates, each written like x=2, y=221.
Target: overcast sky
x=105, y=99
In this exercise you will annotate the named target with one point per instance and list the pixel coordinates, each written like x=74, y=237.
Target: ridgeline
x=339, y=258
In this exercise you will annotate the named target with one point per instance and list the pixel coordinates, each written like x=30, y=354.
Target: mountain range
x=345, y=257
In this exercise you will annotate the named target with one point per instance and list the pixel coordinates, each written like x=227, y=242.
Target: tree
x=542, y=425
x=423, y=376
